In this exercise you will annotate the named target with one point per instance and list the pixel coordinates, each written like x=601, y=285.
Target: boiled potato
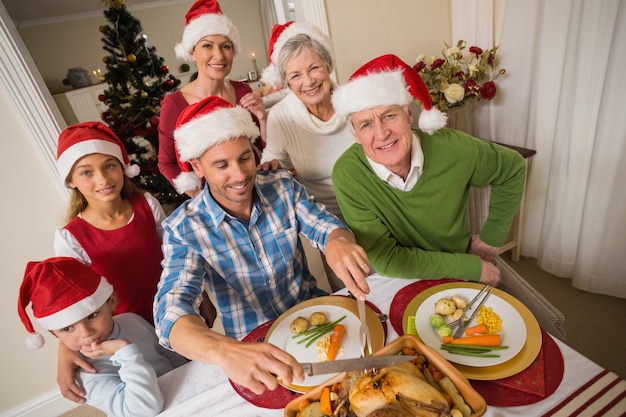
x=457, y=314
x=460, y=303
x=318, y=318
x=299, y=325
x=312, y=410
x=445, y=306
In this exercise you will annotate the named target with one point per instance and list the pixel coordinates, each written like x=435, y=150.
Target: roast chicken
x=398, y=391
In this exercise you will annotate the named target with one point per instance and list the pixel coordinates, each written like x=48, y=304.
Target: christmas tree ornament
x=165, y=69
x=102, y=97
x=143, y=94
x=131, y=58
x=102, y=28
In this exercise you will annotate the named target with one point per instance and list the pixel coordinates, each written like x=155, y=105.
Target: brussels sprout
x=436, y=321
x=444, y=330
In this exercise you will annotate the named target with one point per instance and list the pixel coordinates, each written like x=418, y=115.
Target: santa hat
x=203, y=125
x=205, y=18
x=87, y=138
x=387, y=81
x=280, y=35
x=62, y=291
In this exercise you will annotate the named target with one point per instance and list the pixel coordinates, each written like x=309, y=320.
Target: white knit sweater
x=301, y=141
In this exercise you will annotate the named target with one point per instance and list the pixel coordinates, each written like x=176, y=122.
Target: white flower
x=452, y=51
x=420, y=58
x=472, y=68
x=454, y=93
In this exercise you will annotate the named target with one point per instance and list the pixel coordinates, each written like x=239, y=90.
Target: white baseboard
x=49, y=405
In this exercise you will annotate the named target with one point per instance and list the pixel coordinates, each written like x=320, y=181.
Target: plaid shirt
x=257, y=269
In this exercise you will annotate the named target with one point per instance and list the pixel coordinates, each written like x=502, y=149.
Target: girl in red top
x=112, y=226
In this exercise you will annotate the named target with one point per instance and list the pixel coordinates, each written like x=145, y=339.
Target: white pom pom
x=431, y=120
x=186, y=181
x=35, y=341
x=271, y=75
x=132, y=170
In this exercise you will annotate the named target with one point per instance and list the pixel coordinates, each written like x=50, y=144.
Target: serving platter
x=472, y=397
x=334, y=307
x=521, y=331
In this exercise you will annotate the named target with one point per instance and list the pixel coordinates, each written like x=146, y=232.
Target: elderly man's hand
x=490, y=274
x=269, y=166
x=348, y=261
x=480, y=248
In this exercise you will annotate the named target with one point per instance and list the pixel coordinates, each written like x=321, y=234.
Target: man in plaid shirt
x=240, y=237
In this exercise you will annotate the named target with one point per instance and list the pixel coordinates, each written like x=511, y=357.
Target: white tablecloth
x=198, y=389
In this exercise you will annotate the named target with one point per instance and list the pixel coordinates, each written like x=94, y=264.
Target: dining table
x=581, y=388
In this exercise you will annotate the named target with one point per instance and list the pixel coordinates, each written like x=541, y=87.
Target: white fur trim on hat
x=87, y=147
x=207, y=130
x=271, y=74
x=372, y=90
x=78, y=310
x=206, y=25
x=186, y=181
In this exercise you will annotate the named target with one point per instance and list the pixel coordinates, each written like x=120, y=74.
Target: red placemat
x=531, y=385
x=281, y=396
x=406, y=295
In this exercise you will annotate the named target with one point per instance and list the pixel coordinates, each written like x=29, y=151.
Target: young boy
x=76, y=305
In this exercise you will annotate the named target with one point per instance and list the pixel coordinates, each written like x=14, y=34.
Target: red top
x=128, y=257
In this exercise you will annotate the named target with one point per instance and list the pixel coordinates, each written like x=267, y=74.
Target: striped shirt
x=257, y=269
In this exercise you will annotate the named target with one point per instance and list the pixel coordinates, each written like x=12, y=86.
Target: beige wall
x=60, y=46
x=32, y=207
x=364, y=29
x=33, y=203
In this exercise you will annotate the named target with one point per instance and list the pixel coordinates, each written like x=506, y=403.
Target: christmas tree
x=138, y=80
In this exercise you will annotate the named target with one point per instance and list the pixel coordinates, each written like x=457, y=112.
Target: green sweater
x=423, y=232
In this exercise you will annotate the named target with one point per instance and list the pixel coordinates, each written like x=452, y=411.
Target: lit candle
x=256, y=70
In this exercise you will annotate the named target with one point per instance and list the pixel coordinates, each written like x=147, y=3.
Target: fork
x=364, y=331
x=459, y=331
x=456, y=323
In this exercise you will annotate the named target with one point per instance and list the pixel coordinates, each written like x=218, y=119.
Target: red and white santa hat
x=62, y=291
x=387, y=81
x=203, y=125
x=280, y=35
x=86, y=138
x=205, y=18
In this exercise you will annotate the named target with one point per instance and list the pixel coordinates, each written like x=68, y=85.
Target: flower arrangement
x=456, y=79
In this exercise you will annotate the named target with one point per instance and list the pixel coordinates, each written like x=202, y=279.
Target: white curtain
x=564, y=97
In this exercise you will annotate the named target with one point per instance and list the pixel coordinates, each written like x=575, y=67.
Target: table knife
x=364, y=331
x=342, y=365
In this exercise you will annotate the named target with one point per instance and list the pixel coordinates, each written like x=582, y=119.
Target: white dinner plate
x=334, y=307
x=513, y=332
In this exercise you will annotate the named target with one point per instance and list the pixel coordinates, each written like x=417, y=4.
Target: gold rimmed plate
x=527, y=348
x=334, y=307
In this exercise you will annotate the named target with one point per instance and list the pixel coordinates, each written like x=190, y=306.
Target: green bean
x=317, y=332
x=475, y=347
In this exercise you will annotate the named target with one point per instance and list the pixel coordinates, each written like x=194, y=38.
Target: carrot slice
x=335, y=341
x=448, y=339
x=325, y=406
x=482, y=340
x=476, y=330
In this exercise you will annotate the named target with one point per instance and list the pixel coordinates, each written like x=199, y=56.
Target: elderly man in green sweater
x=404, y=193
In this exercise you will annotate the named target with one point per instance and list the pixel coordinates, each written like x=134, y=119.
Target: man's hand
x=348, y=261
x=255, y=366
x=68, y=362
x=480, y=248
x=490, y=274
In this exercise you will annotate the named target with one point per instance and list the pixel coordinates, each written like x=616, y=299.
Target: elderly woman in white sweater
x=303, y=132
